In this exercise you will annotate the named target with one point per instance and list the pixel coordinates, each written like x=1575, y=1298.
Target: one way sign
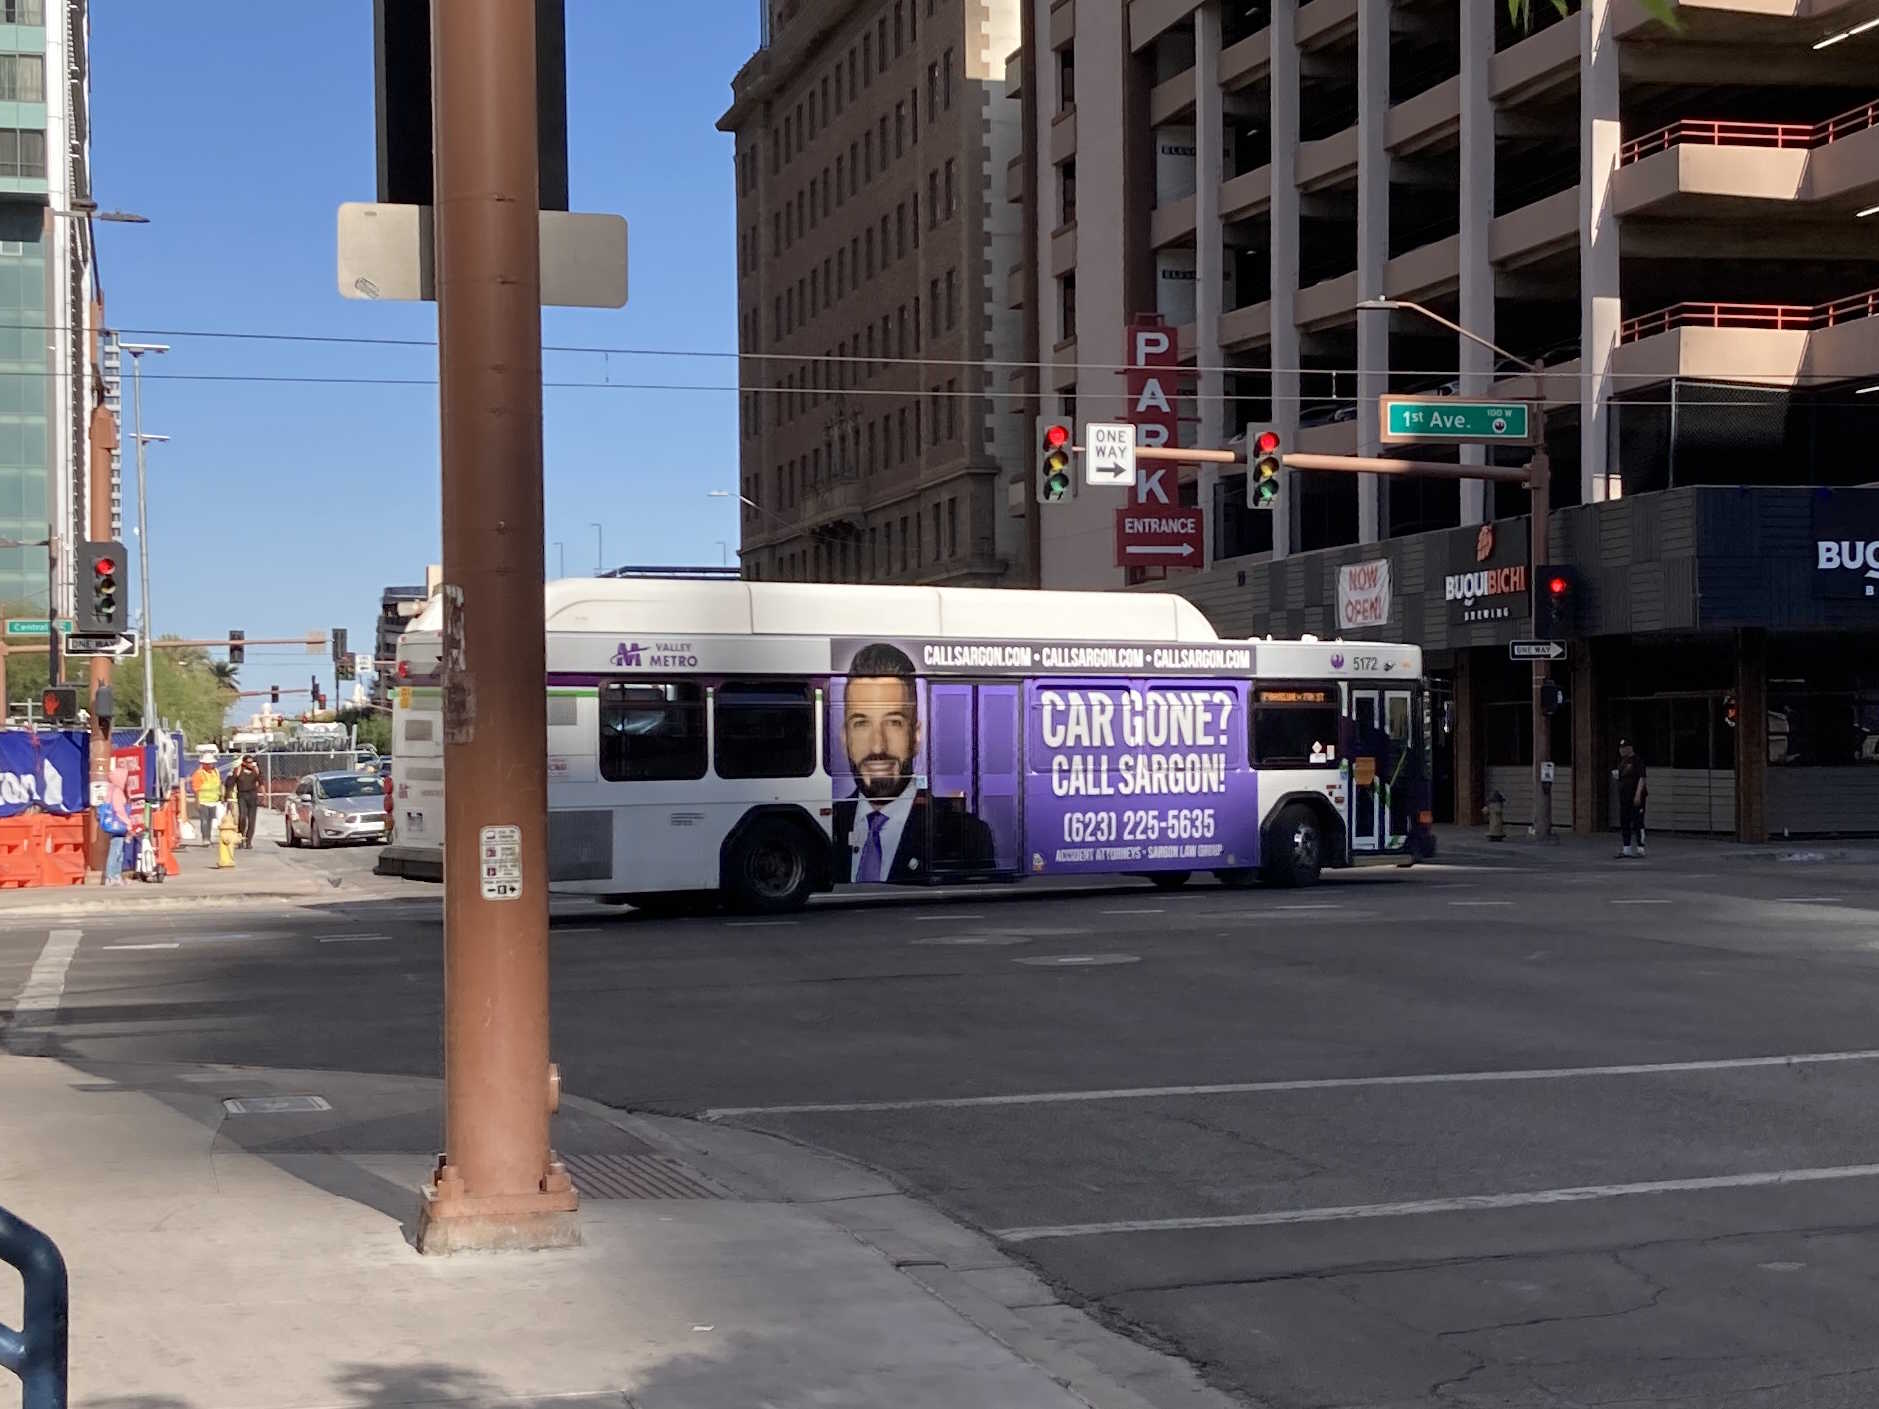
x=1536, y=650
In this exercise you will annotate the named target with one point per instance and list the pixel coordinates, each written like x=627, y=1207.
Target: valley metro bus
x=766, y=741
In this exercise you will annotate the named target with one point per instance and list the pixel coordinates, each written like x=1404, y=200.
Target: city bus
x=761, y=742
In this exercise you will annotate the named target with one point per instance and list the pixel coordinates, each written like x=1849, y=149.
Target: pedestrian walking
x=114, y=821
x=228, y=837
x=205, y=785
x=245, y=779
x=1632, y=792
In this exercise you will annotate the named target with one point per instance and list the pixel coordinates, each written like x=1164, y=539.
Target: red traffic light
x=104, y=567
x=1056, y=437
x=1558, y=585
x=1267, y=442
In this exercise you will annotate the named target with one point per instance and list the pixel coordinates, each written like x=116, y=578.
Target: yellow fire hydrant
x=1496, y=813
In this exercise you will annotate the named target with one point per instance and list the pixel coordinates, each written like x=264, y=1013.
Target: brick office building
x=875, y=445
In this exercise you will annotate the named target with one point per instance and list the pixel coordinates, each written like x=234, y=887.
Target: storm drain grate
x=636, y=1177
x=276, y=1105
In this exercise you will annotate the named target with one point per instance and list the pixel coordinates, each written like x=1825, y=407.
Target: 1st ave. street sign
x=1409, y=419
x=1536, y=650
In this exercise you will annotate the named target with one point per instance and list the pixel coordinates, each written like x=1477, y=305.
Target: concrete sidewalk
x=267, y=873
x=261, y=1261
x=1470, y=846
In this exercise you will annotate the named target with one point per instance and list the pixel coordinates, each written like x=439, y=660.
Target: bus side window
x=1295, y=727
x=764, y=729
x=651, y=732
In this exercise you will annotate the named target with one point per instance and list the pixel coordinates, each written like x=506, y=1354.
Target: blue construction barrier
x=38, y=1351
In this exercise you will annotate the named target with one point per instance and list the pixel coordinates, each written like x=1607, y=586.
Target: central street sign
x=1536, y=650
x=107, y=644
x=35, y=626
x=1109, y=454
x=1152, y=537
x=1409, y=419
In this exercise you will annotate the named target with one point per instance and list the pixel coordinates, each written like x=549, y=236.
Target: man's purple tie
x=868, y=872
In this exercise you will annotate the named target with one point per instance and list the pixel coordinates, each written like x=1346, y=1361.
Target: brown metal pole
x=1539, y=485
x=497, y=1184
x=103, y=441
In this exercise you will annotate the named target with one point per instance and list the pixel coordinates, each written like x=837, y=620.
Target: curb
x=95, y=903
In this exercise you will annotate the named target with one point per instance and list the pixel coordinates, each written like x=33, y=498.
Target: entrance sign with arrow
x=1162, y=537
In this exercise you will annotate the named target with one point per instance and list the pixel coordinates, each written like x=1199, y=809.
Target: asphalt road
x=1562, y=1136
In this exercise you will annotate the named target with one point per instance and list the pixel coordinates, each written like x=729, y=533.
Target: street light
x=137, y=351
x=561, y=558
x=600, y=565
x=1539, y=489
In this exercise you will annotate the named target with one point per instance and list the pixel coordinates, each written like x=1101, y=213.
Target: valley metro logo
x=628, y=654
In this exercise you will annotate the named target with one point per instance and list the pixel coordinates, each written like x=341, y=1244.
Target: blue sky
x=282, y=509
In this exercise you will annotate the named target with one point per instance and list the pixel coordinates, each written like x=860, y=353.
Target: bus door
x=1383, y=771
x=976, y=777
x=1366, y=769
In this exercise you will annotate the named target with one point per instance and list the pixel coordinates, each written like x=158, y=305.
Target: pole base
x=451, y=1221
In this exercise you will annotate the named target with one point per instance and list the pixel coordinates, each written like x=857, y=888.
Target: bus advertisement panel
x=1139, y=775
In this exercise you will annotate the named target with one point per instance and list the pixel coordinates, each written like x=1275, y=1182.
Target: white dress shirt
x=897, y=810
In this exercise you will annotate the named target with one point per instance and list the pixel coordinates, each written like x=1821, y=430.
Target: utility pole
x=497, y=1184
x=102, y=701
x=150, y=716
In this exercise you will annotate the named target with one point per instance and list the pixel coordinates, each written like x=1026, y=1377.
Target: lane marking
x=760, y=924
x=1464, y=1203
x=1144, y=910
x=1077, y=960
x=943, y=919
x=1642, y=902
x=170, y=944
x=1295, y=908
x=354, y=938
x=37, y=1002
x=1330, y=1083
x=1809, y=899
x=1482, y=904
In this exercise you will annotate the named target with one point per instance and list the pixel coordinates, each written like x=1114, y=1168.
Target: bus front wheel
x=770, y=871
x=1296, y=854
x=1168, y=880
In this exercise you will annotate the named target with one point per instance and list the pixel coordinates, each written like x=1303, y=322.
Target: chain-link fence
x=283, y=768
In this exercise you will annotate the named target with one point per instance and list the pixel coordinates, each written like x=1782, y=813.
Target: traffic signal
x=339, y=644
x=59, y=703
x=1263, y=492
x=1555, y=603
x=101, y=603
x=347, y=668
x=1551, y=698
x=237, y=647
x=1056, y=480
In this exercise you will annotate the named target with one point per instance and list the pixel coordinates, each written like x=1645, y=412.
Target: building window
x=901, y=438
x=838, y=88
x=23, y=78
x=867, y=155
x=952, y=300
x=952, y=528
x=867, y=61
x=1067, y=306
x=814, y=205
x=1067, y=191
x=900, y=231
x=841, y=180
x=933, y=306
x=900, y=333
x=651, y=731
x=932, y=91
x=883, y=141
x=764, y=730
x=946, y=81
x=897, y=28
x=841, y=272
x=913, y=116
x=952, y=188
x=938, y=542
x=900, y=129
x=952, y=410
x=1066, y=79
x=22, y=11
x=880, y=41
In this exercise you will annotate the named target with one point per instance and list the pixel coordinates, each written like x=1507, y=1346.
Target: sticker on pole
x=1109, y=455
x=502, y=863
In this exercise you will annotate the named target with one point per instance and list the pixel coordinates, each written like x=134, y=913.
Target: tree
x=225, y=674
x=190, y=693
x=1663, y=11
x=374, y=726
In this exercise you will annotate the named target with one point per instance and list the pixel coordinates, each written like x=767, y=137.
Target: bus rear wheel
x=769, y=872
x=1297, y=852
x=1168, y=880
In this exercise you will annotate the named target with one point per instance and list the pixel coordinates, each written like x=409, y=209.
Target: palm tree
x=225, y=674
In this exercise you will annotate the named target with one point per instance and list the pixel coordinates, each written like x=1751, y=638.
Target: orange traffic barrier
x=63, y=862
x=22, y=843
